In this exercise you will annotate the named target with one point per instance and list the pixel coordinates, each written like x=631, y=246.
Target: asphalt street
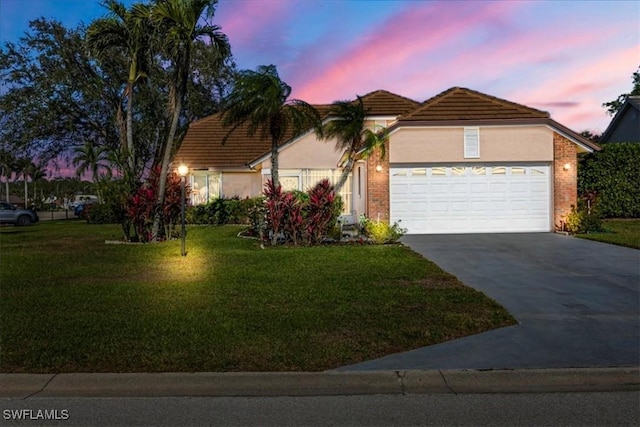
x=566, y=409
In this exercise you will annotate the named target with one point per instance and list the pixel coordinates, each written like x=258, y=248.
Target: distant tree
x=591, y=136
x=55, y=97
x=614, y=106
x=347, y=125
x=260, y=100
x=90, y=158
x=7, y=167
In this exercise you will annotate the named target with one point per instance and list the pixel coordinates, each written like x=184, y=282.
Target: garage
x=471, y=198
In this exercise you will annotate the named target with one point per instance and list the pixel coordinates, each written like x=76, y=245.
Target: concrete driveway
x=577, y=302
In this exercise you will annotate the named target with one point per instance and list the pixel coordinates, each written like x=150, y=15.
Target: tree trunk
x=275, y=178
x=348, y=167
x=164, y=170
x=26, y=195
x=131, y=161
x=344, y=176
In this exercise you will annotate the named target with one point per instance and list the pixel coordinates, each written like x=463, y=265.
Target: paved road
x=577, y=302
x=56, y=215
x=567, y=409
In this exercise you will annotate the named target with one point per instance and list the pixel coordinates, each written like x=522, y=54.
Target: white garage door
x=471, y=199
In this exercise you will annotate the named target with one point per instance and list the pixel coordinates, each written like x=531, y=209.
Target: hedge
x=614, y=174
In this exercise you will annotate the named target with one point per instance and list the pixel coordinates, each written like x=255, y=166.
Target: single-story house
x=625, y=125
x=460, y=162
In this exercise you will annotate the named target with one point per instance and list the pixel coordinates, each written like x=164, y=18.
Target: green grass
x=71, y=303
x=623, y=232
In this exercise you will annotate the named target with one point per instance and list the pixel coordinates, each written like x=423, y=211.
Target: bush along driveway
x=71, y=303
x=577, y=303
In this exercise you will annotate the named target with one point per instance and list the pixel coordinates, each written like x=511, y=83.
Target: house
x=625, y=125
x=460, y=162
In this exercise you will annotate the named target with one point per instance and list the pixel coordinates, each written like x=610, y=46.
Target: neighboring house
x=460, y=162
x=625, y=125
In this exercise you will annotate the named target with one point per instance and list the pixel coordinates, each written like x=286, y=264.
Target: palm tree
x=36, y=172
x=131, y=31
x=178, y=23
x=259, y=100
x=7, y=167
x=24, y=166
x=89, y=158
x=352, y=136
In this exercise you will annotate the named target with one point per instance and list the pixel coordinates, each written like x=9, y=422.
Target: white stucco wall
x=242, y=184
x=446, y=145
x=307, y=153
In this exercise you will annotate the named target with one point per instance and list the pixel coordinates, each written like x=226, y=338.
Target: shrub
x=585, y=218
x=321, y=215
x=614, y=173
x=221, y=211
x=381, y=232
x=294, y=217
x=140, y=207
x=101, y=213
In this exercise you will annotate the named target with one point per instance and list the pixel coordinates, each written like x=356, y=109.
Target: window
x=499, y=171
x=419, y=172
x=471, y=143
x=479, y=170
x=458, y=171
x=518, y=171
x=438, y=171
x=205, y=186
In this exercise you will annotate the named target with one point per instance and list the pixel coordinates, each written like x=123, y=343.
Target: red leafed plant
x=275, y=211
x=320, y=212
x=295, y=219
x=140, y=208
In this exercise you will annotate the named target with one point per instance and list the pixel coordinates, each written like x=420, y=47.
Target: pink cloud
x=588, y=83
x=417, y=32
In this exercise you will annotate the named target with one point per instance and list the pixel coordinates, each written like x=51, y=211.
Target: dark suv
x=10, y=214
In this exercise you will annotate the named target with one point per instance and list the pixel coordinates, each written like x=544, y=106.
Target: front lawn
x=623, y=232
x=71, y=303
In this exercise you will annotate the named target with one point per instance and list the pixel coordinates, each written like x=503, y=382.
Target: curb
x=270, y=384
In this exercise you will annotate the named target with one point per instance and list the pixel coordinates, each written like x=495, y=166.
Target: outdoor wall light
x=567, y=166
x=379, y=168
x=183, y=170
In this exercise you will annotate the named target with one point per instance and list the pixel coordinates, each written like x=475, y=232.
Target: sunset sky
x=563, y=57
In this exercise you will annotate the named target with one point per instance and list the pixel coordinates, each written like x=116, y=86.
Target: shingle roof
x=202, y=145
x=461, y=104
x=384, y=103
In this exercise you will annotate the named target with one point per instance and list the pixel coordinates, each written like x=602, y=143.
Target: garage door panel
x=468, y=199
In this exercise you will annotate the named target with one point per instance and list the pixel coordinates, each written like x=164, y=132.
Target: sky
x=564, y=57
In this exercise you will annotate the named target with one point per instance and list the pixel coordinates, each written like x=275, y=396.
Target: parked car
x=9, y=214
x=81, y=199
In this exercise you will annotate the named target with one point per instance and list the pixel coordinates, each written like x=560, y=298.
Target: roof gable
x=631, y=103
x=384, y=103
x=461, y=104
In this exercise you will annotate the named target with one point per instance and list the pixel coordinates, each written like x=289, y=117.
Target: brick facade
x=378, y=186
x=565, y=181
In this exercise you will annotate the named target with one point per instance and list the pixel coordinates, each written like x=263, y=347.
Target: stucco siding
x=307, y=153
x=242, y=184
x=446, y=145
